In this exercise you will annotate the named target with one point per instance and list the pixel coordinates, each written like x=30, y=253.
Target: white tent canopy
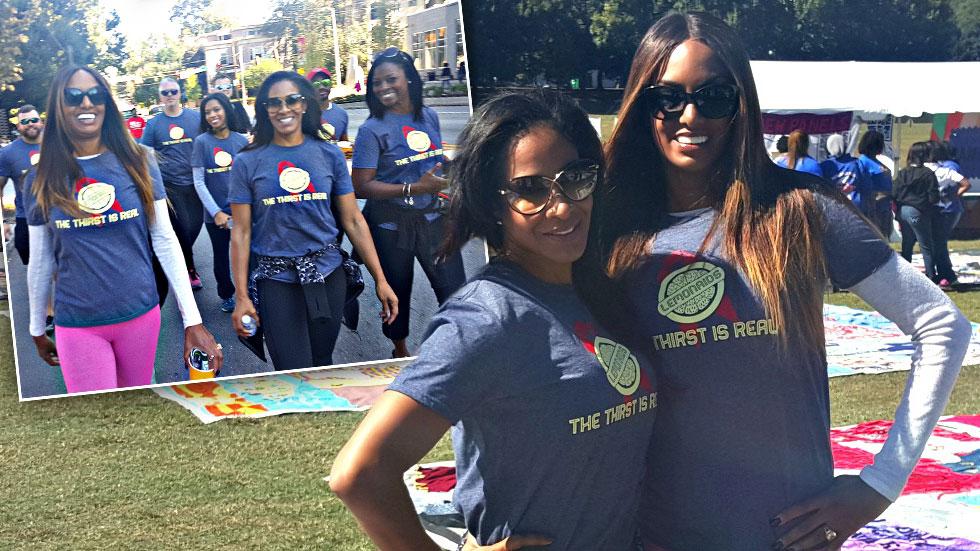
x=902, y=89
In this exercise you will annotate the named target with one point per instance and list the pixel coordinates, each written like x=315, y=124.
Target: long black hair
x=403, y=60
x=486, y=144
x=263, y=126
x=231, y=120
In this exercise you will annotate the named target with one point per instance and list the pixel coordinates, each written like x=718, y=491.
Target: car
x=155, y=110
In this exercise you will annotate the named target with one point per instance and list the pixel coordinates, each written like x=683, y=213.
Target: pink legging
x=109, y=356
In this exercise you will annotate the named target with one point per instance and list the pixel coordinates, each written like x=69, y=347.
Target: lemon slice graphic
x=96, y=198
x=176, y=133
x=418, y=140
x=222, y=158
x=621, y=367
x=294, y=180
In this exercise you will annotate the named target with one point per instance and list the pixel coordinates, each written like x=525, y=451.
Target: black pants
x=22, y=240
x=296, y=340
x=398, y=266
x=187, y=217
x=220, y=240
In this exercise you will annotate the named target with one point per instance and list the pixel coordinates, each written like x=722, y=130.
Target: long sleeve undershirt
x=940, y=334
x=202, y=191
x=165, y=245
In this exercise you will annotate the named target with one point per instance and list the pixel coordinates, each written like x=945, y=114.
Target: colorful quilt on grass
x=332, y=389
x=939, y=509
x=866, y=342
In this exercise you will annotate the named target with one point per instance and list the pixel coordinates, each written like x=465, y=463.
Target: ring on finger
x=828, y=533
x=218, y=346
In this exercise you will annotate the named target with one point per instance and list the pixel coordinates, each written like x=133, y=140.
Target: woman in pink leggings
x=95, y=206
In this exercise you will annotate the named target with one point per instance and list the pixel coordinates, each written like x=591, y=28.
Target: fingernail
x=774, y=522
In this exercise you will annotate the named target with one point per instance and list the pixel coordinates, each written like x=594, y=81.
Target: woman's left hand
x=839, y=511
x=196, y=336
x=389, y=302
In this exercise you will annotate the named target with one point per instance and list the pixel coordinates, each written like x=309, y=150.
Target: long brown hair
x=57, y=169
x=797, y=145
x=769, y=225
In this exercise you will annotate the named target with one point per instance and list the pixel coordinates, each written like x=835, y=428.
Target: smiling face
x=322, y=92
x=287, y=120
x=83, y=122
x=30, y=131
x=223, y=85
x=214, y=113
x=390, y=86
x=693, y=144
x=547, y=243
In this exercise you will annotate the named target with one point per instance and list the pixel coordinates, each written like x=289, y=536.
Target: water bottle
x=249, y=324
x=231, y=223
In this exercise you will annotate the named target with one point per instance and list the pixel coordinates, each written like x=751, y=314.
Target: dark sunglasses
x=223, y=87
x=322, y=83
x=531, y=194
x=96, y=94
x=393, y=52
x=33, y=120
x=170, y=92
x=714, y=101
x=289, y=101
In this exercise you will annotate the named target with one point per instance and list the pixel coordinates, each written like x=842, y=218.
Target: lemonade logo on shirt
x=176, y=132
x=95, y=197
x=35, y=156
x=692, y=293
x=222, y=158
x=294, y=179
x=329, y=129
x=621, y=367
x=416, y=139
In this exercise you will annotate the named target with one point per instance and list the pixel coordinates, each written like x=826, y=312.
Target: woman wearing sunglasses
x=96, y=203
x=396, y=167
x=716, y=259
x=282, y=187
x=550, y=416
x=215, y=148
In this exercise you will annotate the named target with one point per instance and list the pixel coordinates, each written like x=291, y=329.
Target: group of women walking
x=273, y=206
x=642, y=365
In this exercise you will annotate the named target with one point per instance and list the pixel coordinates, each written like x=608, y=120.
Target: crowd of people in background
x=924, y=198
x=116, y=202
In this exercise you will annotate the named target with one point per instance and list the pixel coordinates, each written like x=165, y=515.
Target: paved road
x=38, y=379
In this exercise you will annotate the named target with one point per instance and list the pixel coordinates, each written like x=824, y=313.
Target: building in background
x=434, y=33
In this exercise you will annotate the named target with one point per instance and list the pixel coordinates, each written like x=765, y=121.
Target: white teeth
x=693, y=140
x=286, y=120
x=563, y=232
x=86, y=117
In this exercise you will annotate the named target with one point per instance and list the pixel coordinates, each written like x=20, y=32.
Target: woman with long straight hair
x=284, y=251
x=215, y=148
x=514, y=362
x=397, y=167
x=96, y=204
x=717, y=259
x=798, y=156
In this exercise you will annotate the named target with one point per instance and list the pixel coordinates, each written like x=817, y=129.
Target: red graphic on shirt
x=175, y=132
x=679, y=259
x=222, y=158
x=90, y=204
x=34, y=155
x=417, y=140
x=293, y=179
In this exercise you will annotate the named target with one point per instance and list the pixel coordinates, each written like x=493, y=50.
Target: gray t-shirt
x=546, y=442
x=742, y=432
x=173, y=140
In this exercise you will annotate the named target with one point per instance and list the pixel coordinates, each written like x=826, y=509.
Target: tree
x=13, y=37
x=257, y=72
x=112, y=51
x=195, y=17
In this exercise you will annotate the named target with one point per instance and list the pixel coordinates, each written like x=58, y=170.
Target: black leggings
x=187, y=217
x=398, y=266
x=22, y=240
x=220, y=239
x=295, y=340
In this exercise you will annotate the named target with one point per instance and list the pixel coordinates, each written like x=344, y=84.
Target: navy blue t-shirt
x=103, y=265
x=551, y=417
x=334, y=121
x=401, y=149
x=842, y=171
x=290, y=190
x=742, y=429
x=15, y=160
x=173, y=140
x=216, y=156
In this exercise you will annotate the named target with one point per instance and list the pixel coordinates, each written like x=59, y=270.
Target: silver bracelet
x=407, y=192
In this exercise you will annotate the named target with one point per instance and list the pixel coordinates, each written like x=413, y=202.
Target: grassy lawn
x=132, y=470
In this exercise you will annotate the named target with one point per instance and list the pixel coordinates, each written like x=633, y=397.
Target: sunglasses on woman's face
x=714, y=101
x=531, y=194
x=96, y=94
x=170, y=92
x=289, y=101
x=393, y=52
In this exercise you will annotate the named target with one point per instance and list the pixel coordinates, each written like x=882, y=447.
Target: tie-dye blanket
x=866, y=342
x=939, y=509
x=332, y=389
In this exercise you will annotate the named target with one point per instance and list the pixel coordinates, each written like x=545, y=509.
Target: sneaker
x=228, y=305
x=195, y=280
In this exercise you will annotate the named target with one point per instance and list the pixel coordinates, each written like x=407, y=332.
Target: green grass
x=132, y=470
